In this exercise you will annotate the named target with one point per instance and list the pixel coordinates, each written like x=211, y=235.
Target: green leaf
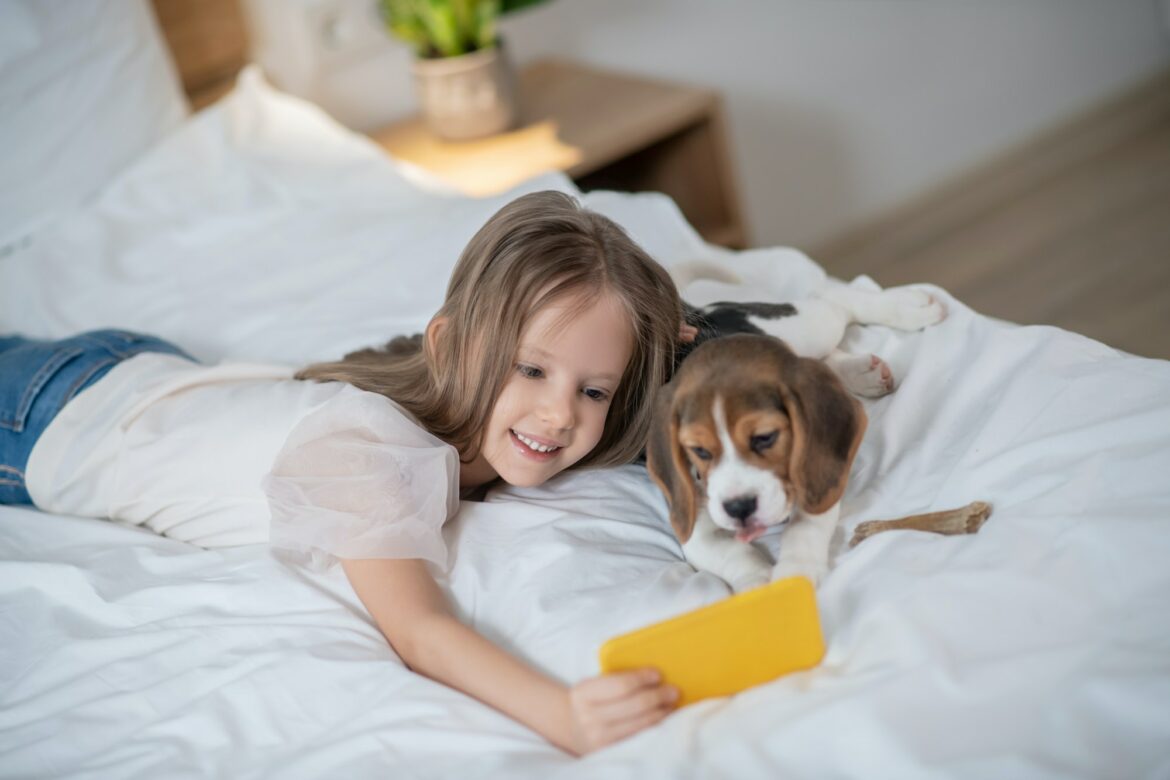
x=439, y=20
x=488, y=11
x=465, y=21
x=447, y=28
x=508, y=6
x=414, y=35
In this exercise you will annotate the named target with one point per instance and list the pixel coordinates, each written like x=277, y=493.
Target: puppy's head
x=753, y=431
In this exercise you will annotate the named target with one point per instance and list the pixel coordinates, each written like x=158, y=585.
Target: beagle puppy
x=748, y=437
x=759, y=426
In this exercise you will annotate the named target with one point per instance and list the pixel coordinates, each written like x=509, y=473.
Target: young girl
x=545, y=355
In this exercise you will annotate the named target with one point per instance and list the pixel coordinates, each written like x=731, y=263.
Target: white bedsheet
x=1038, y=648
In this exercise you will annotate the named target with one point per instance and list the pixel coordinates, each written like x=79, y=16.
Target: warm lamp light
x=485, y=166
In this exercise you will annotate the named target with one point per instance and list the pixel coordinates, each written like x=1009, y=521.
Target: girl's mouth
x=532, y=449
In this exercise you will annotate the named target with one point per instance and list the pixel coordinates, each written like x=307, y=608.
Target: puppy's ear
x=827, y=426
x=668, y=465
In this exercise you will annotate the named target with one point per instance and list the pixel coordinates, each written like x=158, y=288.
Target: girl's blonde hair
x=539, y=249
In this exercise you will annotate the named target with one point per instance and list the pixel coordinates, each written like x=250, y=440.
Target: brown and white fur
x=815, y=326
x=758, y=430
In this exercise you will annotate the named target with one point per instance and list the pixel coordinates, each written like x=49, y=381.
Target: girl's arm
x=415, y=618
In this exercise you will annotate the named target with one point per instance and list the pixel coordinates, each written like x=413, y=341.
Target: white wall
x=840, y=109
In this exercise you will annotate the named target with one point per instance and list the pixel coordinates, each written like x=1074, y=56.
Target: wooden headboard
x=208, y=40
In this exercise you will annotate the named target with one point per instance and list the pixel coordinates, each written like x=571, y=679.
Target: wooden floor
x=1073, y=231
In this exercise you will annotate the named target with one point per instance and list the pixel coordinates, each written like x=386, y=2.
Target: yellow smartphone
x=726, y=647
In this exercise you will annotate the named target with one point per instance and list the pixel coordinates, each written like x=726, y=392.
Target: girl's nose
x=557, y=411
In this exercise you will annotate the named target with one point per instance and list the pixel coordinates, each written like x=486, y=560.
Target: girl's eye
x=532, y=372
x=763, y=441
x=596, y=395
x=701, y=453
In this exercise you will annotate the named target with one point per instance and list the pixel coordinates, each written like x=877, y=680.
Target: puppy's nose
x=740, y=508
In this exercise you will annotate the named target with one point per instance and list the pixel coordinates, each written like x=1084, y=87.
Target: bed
x=259, y=229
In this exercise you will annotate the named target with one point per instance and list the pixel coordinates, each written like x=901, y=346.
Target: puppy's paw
x=865, y=375
x=905, y=308
x=742, y=583
x=750, y=571
x=801, y=567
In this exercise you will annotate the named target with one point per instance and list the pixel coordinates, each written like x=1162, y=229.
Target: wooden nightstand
x=605, y=131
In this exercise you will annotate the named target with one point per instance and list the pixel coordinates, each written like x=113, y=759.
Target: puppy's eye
x=763, y=441
x=701, y=453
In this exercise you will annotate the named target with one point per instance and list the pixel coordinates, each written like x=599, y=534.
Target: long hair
x=539, y=249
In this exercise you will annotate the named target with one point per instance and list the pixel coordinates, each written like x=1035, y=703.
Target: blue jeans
x=37, y=379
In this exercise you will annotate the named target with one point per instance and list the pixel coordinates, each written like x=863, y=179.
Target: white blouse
x=242, y=454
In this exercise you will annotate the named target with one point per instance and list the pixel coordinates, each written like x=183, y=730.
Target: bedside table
x=605, y=131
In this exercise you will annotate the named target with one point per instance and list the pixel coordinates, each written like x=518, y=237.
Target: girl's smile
x=552, y=410
x=534, y=447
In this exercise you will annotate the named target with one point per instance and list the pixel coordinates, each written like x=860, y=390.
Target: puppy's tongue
x=750, y=534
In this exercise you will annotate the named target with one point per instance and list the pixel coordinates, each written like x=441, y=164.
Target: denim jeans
x=37, y=379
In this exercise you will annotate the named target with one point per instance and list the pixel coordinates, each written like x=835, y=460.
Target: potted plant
x=465, y=84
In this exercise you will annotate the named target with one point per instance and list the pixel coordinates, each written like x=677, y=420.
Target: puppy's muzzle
x=740, y=508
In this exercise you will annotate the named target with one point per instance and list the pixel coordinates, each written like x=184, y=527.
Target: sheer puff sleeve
x=359, y=478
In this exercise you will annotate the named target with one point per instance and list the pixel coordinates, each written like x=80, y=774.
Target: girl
x=555, y=332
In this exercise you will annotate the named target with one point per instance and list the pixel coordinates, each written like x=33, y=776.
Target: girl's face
x=551, y=412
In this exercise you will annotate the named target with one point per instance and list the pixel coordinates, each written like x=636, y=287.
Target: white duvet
x=1038, y=648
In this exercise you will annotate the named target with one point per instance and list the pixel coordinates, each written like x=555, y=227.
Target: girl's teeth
x=533, y=445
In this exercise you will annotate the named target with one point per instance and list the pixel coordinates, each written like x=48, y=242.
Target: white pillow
x=263, y=230
x=259, y=230
x=85, y=87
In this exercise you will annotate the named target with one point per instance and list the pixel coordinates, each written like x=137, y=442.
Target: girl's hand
x=614, y=706
x=687, y=333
